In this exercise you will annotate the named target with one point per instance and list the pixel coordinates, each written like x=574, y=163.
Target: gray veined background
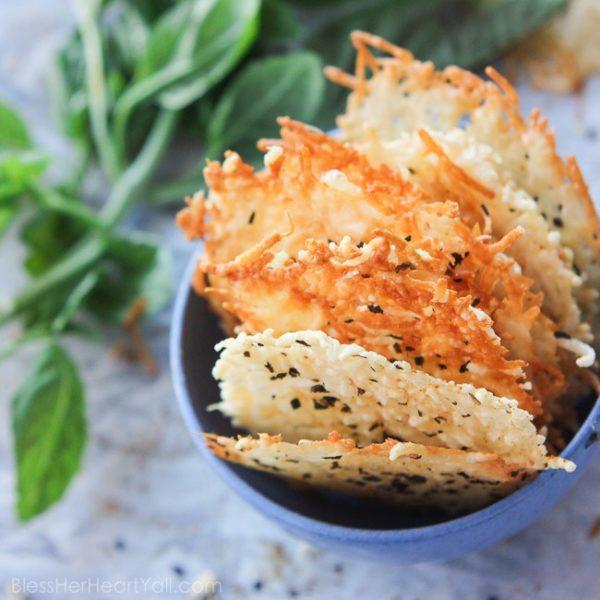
x=145, y=505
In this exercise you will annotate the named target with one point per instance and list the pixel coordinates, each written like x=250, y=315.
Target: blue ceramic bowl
x=336, y=522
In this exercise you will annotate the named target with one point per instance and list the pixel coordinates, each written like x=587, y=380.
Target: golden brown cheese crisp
x=391, y=299
x=317, y=189
x=399, y=94
x=453, y=165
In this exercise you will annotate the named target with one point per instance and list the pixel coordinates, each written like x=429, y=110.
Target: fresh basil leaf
x=7, y=213
x=203, y=110
x=320, y=3
x=42, y=313
x=13, y=131
x=63, y=202
x=279, y=24
x=48, y=236
x=312, y=7
x=329, y=32
x=153, y=9
x=177, y=23
x=22, y=167
x=485, y=33
x=225, y=35
x=133, y=267
x=191, y=48
x=19, y=169
x=290, y=85
x=72, y=60
x=49, y=430
x=9, y=191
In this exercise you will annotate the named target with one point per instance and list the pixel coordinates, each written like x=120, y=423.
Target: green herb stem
x=90, y=249
x=82, y=289
x=85, y=254
x=138, y=93
x=53, y=200
x=128, y=186
x=25, y=338
x=86, y=11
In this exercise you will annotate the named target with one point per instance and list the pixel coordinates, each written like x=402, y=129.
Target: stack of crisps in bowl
x=411, y=303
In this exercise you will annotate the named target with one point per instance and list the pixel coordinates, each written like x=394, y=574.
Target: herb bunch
x=134, y=82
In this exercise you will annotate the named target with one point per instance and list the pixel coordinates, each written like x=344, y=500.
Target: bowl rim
x=317, y=528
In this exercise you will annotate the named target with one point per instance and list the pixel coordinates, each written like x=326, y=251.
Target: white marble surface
x=146, y=511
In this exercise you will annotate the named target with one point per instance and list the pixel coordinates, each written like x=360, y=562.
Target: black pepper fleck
x=319, y=388
x=178, y=570
x=278, y=376
x=403, y=266
x=458, y=258
x=120, y=544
